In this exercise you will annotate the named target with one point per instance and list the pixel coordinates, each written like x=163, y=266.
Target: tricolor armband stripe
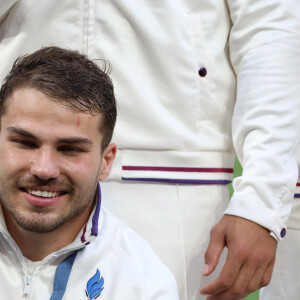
x=297, y=194
x=182, y=181
x=181, y=175
x=178, y=169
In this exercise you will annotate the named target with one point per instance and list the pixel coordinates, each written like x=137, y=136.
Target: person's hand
x=249, y=263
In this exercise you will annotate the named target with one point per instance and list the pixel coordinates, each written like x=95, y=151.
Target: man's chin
x=39, y=222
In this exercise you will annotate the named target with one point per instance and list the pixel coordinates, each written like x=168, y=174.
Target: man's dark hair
x=70, y=78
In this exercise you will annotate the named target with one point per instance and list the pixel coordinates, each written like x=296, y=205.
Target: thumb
x=213, y=252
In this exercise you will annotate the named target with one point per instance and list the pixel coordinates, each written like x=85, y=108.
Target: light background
x=237, y=172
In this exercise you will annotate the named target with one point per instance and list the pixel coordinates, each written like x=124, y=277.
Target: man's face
x=50, y=162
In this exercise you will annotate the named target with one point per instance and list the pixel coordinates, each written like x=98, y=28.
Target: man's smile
x=43, y=194
x=39, y=197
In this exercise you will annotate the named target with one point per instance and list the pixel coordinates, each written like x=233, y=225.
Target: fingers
x=249, y=263
x=227, y=276
x=256, y=270
x=239, y=288
x=214, y=250
x=253, y=274
x=262, y=276
x=245, y=285
x=267, y=275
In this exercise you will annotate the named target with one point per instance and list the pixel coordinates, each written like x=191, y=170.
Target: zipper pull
x=27, y=284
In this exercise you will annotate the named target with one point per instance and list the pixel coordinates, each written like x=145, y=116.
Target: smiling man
x=58, y=112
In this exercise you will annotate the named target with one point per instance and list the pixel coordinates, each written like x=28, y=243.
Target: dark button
x=202, y=72
x=283, y=232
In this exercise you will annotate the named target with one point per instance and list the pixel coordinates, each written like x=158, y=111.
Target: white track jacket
x=113, y=263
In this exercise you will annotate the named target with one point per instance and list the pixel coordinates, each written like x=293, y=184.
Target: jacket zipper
x=28, y=278
x=27, y=284
x=17, y=252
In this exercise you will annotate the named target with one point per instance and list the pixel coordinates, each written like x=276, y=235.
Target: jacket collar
x=3, y=227
x=91, y=228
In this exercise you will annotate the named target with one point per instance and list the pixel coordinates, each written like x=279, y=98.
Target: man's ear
x=108, y=157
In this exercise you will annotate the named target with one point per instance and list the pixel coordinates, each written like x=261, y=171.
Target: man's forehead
x=28, y=107
x=26, y=98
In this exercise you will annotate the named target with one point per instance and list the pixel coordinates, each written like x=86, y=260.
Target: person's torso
x=168, y=115
x=117, y=264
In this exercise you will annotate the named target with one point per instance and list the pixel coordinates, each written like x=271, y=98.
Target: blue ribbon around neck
x=62, y=275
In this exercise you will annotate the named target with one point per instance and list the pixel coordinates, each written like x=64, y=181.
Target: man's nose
x=44, y=164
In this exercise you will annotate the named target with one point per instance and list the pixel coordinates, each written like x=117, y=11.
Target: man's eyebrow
x=75, y=140
x=20, y=131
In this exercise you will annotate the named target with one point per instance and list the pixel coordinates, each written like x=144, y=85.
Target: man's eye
x=25, y=143
x=70, y=149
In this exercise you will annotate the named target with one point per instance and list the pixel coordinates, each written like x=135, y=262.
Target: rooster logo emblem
x=94, y=286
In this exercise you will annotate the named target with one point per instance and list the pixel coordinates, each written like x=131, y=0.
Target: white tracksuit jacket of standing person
x=174, y=125
x=128, y=267
x=183, y=120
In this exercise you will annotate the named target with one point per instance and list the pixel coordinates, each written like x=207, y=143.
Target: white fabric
x=168, y=115
x=31, y=265
x=285, y=278
x=284, y=284
x=5, y=6
x=156, y=50
x=176, y=220
x=128, y=265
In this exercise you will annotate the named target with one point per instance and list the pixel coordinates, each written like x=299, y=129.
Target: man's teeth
x=43, y=193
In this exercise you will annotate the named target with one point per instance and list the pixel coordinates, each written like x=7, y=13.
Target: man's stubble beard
x=39, y=219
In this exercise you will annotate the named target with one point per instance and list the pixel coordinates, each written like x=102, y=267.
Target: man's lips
x=42, y=197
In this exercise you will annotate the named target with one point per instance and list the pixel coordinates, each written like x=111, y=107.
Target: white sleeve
x=5, y=5
x=265, y=54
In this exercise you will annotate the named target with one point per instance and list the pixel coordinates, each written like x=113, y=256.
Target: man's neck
x=36, y=246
